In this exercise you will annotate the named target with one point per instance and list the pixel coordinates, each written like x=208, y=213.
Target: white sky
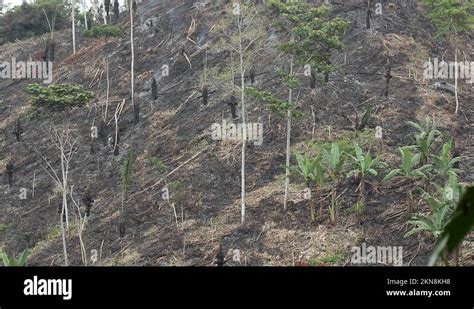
x=12, y=3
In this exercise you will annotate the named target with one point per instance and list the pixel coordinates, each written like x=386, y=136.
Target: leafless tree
x=65, y=143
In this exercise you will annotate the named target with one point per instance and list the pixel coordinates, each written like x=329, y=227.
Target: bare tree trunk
x=80, y=226
x=132, y=79
x=107, y=94
x=85, y=15
x=66, y=145
x=244, y=126
x=63, y=233
x=456, y=81
x=73, y=13
x=288, y=143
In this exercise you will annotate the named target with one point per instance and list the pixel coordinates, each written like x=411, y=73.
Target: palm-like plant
x=442, y=205
x=10, y=261
x=408, y=170
x=312, y=172
x=444, y=164
x=306, y=168
x=362, y=165
x=334, y=162
x=426, y=136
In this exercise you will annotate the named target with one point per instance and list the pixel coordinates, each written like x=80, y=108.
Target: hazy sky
x=12, y=3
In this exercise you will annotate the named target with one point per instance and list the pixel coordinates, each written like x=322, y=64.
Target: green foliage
x=408, y=166
x=334, y=160
x=280, y=107
x=59, y=95
x=364, y=164
x=289, y=80
x=158, y=163
x=10, y=261
x=451, y=16
x=127, y=171
x=313, y=33
x=28, y=20
x=103, y=31
x=3, y=227
x=336, y=258
x=441, y=204
x=461, y=223
x=310, y=169
x=444, y=162
x=426, y=136
x=176, y=189
x=359, y=208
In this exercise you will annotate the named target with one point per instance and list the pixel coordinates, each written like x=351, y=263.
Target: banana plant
x=334, y=163
x=10, y=261
x=426, y=136
x=363, y=165
x=444, y=163
x=442, y=204
x=313, y=174
x=408, y=171
x=459, y=226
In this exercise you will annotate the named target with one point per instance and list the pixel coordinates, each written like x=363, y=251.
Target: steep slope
x=203, y=176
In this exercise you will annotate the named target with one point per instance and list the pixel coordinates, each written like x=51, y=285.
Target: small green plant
x=359, y=208
x=59, y=95
x=443, y=165
x=426, y=136
x=362, y=166
x=3, y=227
x=336, y=258
x=334, y=162
x=458, y=227
x=159, y=164
x=177, y=190
x=408, y=171
x=127, y=172
x=103, y=31
x=442, y=205
x=10, y=261
x=312, y=172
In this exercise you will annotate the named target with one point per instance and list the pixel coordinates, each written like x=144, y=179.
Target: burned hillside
x=153, y=187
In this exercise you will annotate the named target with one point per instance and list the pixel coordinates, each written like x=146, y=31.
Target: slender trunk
x=244, y=128
x=107, y=94
x=63, y=232
x=456, y=81
x=132, y=79
x=362, y=188
x=73, y=26
x=410, y=201
x=288, y=146
x=320, y=201
x=333, y=203
x=85, y=16
x=64, y=185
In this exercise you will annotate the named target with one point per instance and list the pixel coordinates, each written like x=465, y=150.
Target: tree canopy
x=28, y=20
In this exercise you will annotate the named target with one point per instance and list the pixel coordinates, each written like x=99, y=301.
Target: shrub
x=10, y=261
x=103, y=31
x=59, y=95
